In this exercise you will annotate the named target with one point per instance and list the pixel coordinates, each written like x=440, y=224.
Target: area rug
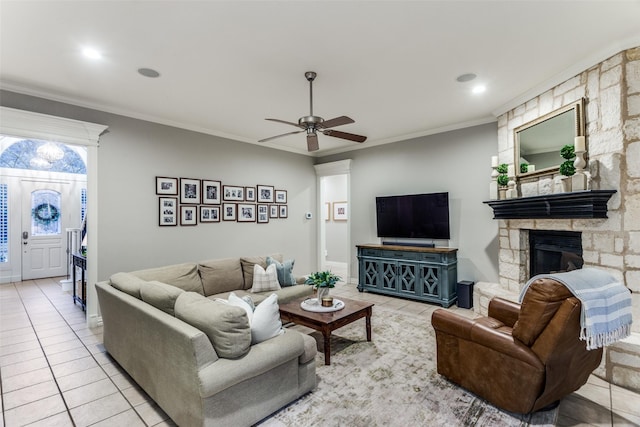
x=391, y=381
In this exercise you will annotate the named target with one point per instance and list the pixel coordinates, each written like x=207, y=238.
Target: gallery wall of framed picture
x=193, y=201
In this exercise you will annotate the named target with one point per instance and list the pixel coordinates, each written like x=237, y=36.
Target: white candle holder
x=493, y=185
x=512, y=192
x=579, y=181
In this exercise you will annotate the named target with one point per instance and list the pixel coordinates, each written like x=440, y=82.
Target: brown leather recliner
x=521, y=358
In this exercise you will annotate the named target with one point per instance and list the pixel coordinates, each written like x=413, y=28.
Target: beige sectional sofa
x=194, y=355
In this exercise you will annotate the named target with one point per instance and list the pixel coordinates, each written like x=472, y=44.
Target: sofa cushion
x=127, y=283
x=285, y=271
x=226, y=326
x=265, y=280
x=160, y=295
x=221, y=275
x=249, y=262
x=539, y=305
x=184, y=276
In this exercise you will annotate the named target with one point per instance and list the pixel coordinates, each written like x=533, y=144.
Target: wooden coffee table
x=327, y=322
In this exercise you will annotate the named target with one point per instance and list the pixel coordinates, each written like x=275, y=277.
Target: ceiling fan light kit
x=312, y=124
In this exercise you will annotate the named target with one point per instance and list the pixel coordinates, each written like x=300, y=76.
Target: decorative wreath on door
x=45, y=213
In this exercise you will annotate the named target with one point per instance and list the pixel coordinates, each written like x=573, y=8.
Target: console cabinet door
x=407, y=275
x=370, y=272
x=430, y=281
x=389, y=281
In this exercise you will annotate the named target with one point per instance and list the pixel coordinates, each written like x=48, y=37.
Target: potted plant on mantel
x=567, y=168
x=503, y=180
x=322, y=281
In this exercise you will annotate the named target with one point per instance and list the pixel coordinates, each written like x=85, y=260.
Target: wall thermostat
x=308, y=215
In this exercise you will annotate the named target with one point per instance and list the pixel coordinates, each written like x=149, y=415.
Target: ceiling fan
x=313, y=124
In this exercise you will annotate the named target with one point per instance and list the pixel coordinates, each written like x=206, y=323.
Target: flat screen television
x=419, y=216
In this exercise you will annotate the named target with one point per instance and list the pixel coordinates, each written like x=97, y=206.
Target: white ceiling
x=227, y=65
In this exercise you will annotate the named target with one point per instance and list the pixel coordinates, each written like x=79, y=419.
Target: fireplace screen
x=554, y=251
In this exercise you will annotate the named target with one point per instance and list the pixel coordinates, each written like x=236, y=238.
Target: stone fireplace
x=612, y=93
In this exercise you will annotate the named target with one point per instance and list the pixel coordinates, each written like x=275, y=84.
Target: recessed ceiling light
x=466, y=77
x=148, y=72
x=91, y=53
x=479, y=89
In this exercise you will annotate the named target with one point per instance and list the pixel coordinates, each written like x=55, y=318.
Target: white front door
x=46, y=210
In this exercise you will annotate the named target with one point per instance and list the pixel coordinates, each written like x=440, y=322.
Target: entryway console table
x=79, y=261
x=419, y=273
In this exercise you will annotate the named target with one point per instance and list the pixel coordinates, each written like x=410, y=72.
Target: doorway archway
x=27, y=124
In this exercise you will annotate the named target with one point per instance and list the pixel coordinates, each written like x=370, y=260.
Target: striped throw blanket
x=606, y=304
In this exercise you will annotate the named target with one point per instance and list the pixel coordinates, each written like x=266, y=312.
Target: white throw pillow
x=240, y=302
x=266, y=321
x=265, y=280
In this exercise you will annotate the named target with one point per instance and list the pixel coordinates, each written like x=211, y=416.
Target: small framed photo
x=273, y=211
x=209, y=214
x=233, y=193
x=228, y=211
x=168, y=211
x=250, y=194
x=188, y=215
x=265, y=194
x=189, y=191
x=281, y=196
x=340, y=211
x=283, y=211
x=246, y=212
x=327, y=211
x=210, y=192
x=263, y=214
x=166, y=186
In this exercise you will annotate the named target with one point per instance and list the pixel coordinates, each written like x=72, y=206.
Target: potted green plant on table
x=567, y=167
x=322, y=281
x=502, y=179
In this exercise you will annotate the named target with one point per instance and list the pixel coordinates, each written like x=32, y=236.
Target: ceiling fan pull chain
x=311, y=97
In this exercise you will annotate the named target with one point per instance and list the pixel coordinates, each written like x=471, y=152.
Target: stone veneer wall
x=612, y=113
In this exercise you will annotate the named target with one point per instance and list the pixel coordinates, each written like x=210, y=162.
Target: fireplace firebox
x=554, y=251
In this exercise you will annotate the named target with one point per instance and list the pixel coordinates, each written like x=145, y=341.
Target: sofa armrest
x=504, y=310
x=445, y=321
x=262, y=357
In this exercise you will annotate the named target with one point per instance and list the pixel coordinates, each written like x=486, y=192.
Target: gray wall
x=133, y=152
x=335, y=190
x=457, y=162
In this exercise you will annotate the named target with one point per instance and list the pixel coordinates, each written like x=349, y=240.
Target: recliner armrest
x=453, y=324
x=504, y=310
x=504, y=344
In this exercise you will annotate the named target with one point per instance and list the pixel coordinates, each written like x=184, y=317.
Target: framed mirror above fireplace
x=538, y=143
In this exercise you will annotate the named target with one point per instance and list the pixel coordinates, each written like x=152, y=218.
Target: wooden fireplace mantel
x=577, y=204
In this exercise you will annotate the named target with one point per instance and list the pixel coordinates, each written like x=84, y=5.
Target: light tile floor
x=54, y=371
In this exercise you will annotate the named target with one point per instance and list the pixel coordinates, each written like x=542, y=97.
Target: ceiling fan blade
x=312, y=142
x=280, y=136
x=286, y=122
x=345, y=135
x=338, y=121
